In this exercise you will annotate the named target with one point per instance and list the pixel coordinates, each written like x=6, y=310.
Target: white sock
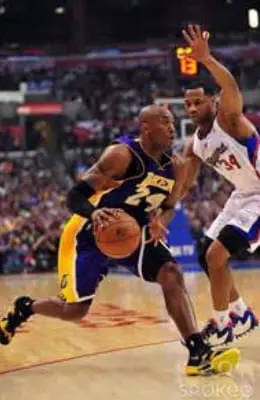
x=222, y=318
x=238, y=307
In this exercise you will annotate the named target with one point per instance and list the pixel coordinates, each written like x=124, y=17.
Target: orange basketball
x=121, y=238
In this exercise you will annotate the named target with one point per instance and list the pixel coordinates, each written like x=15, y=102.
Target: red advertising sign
x=40, y=109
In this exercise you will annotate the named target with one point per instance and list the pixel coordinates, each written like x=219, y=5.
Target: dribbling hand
x=198, y=41
x=103, y=217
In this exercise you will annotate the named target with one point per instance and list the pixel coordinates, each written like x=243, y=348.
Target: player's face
x=199, y=106
x=162, y=130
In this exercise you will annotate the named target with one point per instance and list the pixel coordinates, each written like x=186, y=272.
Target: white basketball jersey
x=237, y=160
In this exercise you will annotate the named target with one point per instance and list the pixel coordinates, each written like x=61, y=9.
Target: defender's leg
x=226, y=325
x=201, y=359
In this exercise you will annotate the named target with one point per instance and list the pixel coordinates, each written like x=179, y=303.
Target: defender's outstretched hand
x=198, y=41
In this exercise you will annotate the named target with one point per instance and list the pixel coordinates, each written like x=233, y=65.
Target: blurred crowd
x=98, y=104
x=32, y=212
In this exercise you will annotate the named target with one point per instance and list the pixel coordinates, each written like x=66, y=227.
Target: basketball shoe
x=204, y=361
x=213, y=362
x=243, y=324
x=18, y=313
x=216, y=336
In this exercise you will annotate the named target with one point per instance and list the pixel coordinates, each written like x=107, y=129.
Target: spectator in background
x=45, y=249
x=13, y=255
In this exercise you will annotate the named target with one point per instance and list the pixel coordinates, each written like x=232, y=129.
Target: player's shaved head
x=157, y=126
x=152, y=111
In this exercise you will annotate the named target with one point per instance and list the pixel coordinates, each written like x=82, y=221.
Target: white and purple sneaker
x=245, y=324
x=215, y=336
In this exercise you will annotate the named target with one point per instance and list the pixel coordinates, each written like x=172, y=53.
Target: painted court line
x=98, y=353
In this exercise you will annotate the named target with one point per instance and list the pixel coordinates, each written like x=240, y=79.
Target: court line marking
x=97, y=353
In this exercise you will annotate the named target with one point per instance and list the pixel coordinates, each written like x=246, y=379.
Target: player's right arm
x=230, y=108
x=103, y=175
x=192, y=168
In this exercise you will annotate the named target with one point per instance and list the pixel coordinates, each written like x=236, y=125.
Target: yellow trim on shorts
x=67, y=259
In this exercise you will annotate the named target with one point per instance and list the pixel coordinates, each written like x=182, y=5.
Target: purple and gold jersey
x=146, y=185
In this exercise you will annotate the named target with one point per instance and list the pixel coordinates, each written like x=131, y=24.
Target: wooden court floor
x=125, y=349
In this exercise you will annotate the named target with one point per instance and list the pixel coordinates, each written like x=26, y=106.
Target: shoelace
x=208, y=329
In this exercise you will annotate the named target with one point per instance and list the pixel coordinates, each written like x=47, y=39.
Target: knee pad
x=202, y=255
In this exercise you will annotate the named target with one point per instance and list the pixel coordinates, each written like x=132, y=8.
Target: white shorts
x=242, y=211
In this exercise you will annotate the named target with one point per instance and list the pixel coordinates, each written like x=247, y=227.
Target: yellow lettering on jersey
x=157, y=181
x=143, y=191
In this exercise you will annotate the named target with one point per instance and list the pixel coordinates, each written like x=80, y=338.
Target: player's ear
x=217, y=96
x=144, y=128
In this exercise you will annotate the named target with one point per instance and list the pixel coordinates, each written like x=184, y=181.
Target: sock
x=238, y=307
x=196, y=345
x=222, y=318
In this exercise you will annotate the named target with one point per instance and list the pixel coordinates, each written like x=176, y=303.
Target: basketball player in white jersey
x=228, y=142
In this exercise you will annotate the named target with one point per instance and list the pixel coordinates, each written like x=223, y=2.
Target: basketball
x=121, y=238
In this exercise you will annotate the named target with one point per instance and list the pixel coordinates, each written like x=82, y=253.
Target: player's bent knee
x=170, y=275
x=75, y=311
x=216, y=256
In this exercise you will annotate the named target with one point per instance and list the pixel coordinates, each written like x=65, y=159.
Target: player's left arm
x=163, y=216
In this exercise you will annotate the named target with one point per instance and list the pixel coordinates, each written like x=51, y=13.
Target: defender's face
x=199, y=106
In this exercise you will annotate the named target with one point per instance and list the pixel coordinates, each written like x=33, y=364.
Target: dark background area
x=31, y=22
